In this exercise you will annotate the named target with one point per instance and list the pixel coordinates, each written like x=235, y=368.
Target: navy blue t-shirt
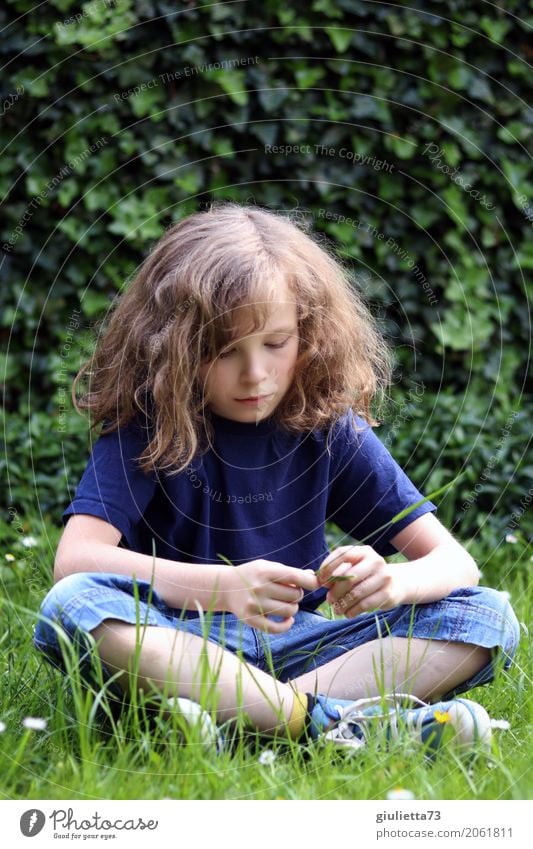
x=258, y=492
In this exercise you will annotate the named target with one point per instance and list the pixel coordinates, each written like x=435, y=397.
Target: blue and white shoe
x=401, y=713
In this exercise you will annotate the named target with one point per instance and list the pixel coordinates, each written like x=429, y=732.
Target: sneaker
x=198, y=719
x=426, y=723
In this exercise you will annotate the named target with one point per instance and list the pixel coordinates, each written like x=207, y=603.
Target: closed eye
x=277, y=345
x=267, y=345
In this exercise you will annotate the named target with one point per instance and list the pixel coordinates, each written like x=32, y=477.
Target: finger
x=358, y=593
x=337, y=554
x=272, y=626
x=284, y=592
x=273, y=607
x=303, y=578
x=332, y=561
x=340, y=582
x=351, y=553
x=353, y=576
x=377, y=601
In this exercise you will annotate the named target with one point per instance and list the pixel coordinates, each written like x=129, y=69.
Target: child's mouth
x=258, y=399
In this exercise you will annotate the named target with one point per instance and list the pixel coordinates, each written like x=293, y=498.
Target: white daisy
x=267, y=757
x=29, y=542
x=400, y=794
x=511, y=538
x=35, y=723
x=2, y=727
x=10, y=558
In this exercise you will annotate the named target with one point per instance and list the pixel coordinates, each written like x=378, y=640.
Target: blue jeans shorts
x=81, y=601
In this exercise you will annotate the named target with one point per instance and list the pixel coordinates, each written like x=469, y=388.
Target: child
x=235, y=380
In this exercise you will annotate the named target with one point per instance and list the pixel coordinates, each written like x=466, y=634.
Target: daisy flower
x=267, y=757
x=35, y=723
x=400, y=794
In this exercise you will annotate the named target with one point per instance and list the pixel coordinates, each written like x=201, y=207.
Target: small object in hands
x=335, y=578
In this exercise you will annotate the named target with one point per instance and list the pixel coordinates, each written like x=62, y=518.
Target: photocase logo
x=32, y=822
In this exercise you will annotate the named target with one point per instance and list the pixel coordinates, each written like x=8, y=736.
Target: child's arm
x=252, y=591
x=437, y=564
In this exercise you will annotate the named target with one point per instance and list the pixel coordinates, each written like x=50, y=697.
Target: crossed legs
x=182, y=664
x=425, y=668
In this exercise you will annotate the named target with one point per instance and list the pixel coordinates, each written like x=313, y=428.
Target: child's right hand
x=263, y=588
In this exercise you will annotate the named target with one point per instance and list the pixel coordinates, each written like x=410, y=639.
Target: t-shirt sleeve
x=368, y=488
x=113, y=486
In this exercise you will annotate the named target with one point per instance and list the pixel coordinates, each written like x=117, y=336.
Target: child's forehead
x=279, y=314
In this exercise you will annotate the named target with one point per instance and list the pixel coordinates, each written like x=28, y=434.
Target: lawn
x=79, y=754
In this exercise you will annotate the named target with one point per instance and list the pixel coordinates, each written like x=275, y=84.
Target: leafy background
x=216, y=86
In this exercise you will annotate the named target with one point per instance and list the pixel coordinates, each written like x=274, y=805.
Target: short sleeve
x=113, y=486
x=368, y=488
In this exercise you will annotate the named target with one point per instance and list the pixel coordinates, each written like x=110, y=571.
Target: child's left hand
x=363, y=581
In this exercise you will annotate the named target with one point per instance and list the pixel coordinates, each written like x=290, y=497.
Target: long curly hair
x=177, y=315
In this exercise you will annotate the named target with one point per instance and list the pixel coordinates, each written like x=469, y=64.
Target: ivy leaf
x=340, y=38
x=94, y=303
x=496, y=29
x=233, y=82
x=404, y=148
x=307, y=77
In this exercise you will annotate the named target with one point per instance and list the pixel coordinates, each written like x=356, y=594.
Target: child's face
x=258, y=365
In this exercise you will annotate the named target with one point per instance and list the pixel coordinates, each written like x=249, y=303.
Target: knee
x=496, y=607
x=499, y=602
x=53, y=617
x=64, y=593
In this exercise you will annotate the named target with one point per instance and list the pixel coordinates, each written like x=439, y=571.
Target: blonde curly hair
x=177, y=314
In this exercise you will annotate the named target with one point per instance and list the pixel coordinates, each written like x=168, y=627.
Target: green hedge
x=402, y=134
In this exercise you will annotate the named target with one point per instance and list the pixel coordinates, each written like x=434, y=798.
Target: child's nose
x=254, y=370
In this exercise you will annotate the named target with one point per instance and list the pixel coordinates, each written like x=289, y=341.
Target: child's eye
x=277, y=345
x=267, y=345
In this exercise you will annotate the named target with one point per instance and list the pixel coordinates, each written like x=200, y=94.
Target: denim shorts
x=78, y=603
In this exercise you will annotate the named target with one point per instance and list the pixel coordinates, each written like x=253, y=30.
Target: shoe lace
x=354, y=712
x=344, y=731
x=353, y=716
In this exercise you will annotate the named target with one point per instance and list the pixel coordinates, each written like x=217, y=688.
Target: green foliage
x=120, y=117
x=438, y=436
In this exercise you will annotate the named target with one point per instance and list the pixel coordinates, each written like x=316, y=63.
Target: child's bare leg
x=424, y=668
x=176, y=662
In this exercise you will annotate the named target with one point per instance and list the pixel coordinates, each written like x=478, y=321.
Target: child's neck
x=225, y=425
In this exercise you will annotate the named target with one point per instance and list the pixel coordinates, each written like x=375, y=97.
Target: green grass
x=81, y=755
